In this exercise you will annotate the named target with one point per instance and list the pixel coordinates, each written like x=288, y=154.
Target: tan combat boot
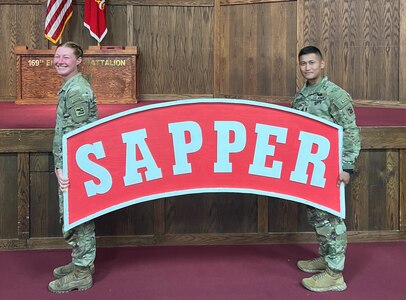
x=61, y=271
x=328, y=280
x=313, y=265
x=79, y=279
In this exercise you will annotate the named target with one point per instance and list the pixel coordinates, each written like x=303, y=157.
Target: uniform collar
x=66, y=85
x=311, y=89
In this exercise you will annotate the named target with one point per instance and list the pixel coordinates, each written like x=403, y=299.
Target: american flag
x=58, y=14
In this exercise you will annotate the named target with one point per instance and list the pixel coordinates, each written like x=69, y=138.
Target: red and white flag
x=95, y=18
x=58, y=14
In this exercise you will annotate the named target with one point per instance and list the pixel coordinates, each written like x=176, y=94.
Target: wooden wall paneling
x=154, y=2
x=343, y=32
x=236, y=50
x=133, y=220
x=217, y=72
x=130, y=25
x=360, y=41
x=30, y=20
x=341, y=42
x=211, y=213
x=196, y=32
x=348, y=200
x=176, y=49
x=357, y=209
x=387, y=137
x=9, y=202
x=287, y=216
x=392, y=189
x=283, y=215
x=265, y=43
x=377, y=190
x=117, y=26
x=390, y=51
x=249, y=50
x=22, y=2
x=159, y=217
x=259, y=50
x=175, y=44
x=302, y=27
x=26, y=140
x=353, y=71
x=376, y=25
x=225, y=40
x=17, y=30
x=75, y=30
x=302, y=222
x=136, y=219
x=8, y=41
x=131, y=2
x=263, y=215
x=267, y=40
x=282, y=49
x=42, y=162
x=402, y=51
x=186, y=216
x=44, y=203
x=146, y=38
x=205, y=67
x=402, y=190
x=23, y=195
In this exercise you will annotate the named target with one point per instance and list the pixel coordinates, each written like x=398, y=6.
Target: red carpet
x=43, y=116
x=374, y=271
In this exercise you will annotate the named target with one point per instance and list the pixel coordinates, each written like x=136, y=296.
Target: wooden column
x=402, y=191
x=263, y=214
x=23, y=196
x=300, y=24
x=402, y=52
x=217, y=49
x=159, y=217
x=130, y=21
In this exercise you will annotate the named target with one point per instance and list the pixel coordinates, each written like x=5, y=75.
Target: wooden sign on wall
x=110, y=70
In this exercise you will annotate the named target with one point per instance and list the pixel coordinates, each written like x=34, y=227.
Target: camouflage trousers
x=81, y=238
x=331, y=234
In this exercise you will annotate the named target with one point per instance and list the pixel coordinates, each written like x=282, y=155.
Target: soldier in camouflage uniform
x=76, y=107
x=323, y=98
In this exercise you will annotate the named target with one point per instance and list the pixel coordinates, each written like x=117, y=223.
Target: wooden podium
x=112, y=72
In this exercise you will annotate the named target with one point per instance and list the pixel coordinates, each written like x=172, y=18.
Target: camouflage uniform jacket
x=76, y=107
x=329, y=101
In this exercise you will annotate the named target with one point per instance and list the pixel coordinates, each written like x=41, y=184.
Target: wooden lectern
x=112, y=72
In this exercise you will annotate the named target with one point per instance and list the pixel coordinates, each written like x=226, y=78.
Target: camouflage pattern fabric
x=76, y=107
x=81, y=238
x=329, y=101
x=331, y=234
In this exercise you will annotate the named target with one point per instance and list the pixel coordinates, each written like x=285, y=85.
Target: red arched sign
x=199, y=146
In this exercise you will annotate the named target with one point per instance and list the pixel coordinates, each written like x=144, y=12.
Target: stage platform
x=14, y=116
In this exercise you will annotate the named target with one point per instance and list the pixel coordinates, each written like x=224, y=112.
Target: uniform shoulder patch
x=80, y=111
x=341, y=99
x=73, y=97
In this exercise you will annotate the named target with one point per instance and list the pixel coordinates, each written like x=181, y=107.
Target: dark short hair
x=77, y=50
x=310, y=50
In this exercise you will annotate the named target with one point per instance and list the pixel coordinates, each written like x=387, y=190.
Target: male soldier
x=322, y=98
x=76, y=107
